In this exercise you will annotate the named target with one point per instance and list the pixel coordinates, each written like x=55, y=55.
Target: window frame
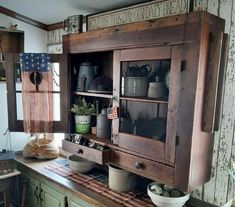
x=15, y=125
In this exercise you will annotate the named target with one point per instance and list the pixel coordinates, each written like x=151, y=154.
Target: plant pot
x=231, y=203
x=83, y=124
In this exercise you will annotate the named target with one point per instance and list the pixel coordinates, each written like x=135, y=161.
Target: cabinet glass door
x=147, y=90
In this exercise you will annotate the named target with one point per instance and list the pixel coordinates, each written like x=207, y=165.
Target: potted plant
x=83, y=112
x=230, y=168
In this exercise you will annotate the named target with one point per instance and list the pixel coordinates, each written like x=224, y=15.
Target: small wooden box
x=6, y=162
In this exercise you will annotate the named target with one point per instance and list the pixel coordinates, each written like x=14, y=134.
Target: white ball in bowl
x=164, y=201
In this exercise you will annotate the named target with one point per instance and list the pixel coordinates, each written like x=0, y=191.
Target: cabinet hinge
x=176, y=140
x=183, y=65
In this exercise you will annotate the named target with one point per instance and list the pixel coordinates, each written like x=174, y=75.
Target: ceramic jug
x=87, y=73
x=103, y=128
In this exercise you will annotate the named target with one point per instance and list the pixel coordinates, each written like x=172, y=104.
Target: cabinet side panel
x=202, y=139
x=186, y=114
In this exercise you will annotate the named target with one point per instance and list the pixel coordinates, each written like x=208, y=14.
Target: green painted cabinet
x=51, y=198
x=40, y=195
x=32, y=192
x=75, y=201
x=74, y=204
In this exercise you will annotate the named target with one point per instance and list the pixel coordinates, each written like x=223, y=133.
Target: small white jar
x=156, y=89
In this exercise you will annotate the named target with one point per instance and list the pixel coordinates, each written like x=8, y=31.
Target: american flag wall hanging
x=37, y=97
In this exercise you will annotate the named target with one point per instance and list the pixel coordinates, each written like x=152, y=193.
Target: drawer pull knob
x=138, y=165
x=80, y=151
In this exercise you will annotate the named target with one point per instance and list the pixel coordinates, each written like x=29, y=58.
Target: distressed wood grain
x=227, y=124
x=200, y=5
x=221, y=188
x=231, y=187
x=55, y=36
x=209, y=188
x=213, y=7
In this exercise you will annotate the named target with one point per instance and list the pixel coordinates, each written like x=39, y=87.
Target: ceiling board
x=52, y=11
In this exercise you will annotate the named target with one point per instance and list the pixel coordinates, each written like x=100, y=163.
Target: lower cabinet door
x=77, y=202
x=32, y=193
x=74, y=204
x=51, y=198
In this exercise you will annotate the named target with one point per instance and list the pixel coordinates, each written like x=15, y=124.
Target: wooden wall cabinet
x=188, y=48
x=11, y=41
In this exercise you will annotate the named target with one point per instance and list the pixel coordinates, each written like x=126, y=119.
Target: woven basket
x=44, y=148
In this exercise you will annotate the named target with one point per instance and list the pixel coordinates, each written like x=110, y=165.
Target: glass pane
x=17, y=76
x=144, y=98
x=145, y=79
x=144, y=119
x=56, y=76
x=19, y=107
x=56, y=107
x=18, y=86
x=2, y=73
x=17, y=72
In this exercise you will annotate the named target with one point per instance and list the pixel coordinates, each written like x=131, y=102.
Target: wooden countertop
x=38, y=167
x=92, y=197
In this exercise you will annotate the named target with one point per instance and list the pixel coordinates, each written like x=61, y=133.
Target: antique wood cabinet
x=169, y=138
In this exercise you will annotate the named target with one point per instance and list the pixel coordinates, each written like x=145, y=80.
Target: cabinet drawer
x=98, y=156
x=144, y=167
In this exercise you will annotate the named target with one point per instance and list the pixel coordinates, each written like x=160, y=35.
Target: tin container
x=73, y=24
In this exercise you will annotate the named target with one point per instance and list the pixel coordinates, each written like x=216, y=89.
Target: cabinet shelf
x=160, y=101
x=99, y=95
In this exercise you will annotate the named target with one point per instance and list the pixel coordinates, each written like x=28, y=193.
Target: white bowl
x=79, y=164
x=162, y=201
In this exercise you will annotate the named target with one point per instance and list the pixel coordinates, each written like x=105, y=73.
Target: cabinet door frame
x=35, y=185
x=156, y=150
x=50, y=192
x=16, y=125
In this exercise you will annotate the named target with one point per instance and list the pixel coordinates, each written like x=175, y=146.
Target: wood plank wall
x=221, y=188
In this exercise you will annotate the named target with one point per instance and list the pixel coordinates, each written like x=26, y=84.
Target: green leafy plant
x=82, y=108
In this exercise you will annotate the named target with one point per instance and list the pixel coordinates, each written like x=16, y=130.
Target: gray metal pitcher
x=87, y=73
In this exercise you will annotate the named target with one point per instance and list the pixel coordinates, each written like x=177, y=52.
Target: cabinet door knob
x=138, y=165
x=36, y=192
x=80, y=151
